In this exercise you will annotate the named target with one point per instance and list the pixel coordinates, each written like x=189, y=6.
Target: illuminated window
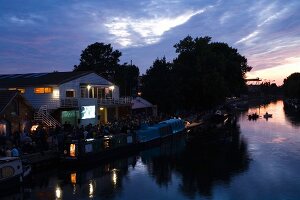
x=72, y=150
x=46, y=90
x=22, y=90
x=73, y=178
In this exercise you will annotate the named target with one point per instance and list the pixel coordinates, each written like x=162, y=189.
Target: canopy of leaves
x=126, y=76
x=202, y=75
x=291, y=86
x=101, y=58
x=157, y=84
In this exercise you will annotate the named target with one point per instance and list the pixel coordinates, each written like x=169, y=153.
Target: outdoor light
x=55, y=93
x=101, y=108
x=91, y=189
x=34, y=127
x=73, y=178
x=58, y=192
x=88, y=87
x=112, y=87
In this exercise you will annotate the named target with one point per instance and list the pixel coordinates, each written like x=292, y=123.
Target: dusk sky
x=48, y=35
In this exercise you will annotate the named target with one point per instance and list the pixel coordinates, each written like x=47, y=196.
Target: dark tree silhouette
x=126, y=76
x=291, y=86
x=201, y=76
x=101, y=58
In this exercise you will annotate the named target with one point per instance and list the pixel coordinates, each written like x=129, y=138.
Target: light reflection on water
x=260, y=160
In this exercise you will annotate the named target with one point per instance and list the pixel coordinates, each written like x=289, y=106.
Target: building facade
x=78, y=98
x=15, y=113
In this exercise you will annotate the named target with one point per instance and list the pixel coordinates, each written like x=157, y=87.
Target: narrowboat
x=160, y=131
x=12, y=171
x=94, y=149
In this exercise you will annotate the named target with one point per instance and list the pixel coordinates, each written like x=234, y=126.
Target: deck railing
x=75, y=102
x=121, y=101
x=69, y=103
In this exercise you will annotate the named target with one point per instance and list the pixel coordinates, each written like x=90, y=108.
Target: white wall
x=92, y=79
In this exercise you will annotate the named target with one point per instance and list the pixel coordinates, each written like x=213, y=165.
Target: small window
x=70, y=93
x=46, y=90
x=22, y=90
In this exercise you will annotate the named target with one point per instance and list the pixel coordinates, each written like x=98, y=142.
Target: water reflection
x=202, y=163
x=292, y=115
x=192, y=166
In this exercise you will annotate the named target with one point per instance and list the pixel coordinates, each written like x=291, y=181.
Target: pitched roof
x=139, y=102
x=6, y=96
x=33, y=79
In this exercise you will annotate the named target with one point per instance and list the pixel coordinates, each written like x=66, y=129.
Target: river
x=259, y=160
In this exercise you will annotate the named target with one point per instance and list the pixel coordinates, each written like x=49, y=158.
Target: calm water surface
x=259, y=160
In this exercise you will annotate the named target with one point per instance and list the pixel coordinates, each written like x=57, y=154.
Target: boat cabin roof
x=171, y=121
x=8, y=159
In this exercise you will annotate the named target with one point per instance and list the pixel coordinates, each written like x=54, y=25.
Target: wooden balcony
x=75, y=102
x=110, y=102
x=69, y=103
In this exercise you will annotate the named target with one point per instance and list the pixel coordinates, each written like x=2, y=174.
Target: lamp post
x=88, y=88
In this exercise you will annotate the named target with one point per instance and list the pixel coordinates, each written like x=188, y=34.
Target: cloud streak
x=128, y=31
x=47, y=34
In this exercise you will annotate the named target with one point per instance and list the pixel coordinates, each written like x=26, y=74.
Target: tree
x=208, y=72
x=101, y=58
x=291, y=86
x=157, y=84
x=126, y=77
x=201, y=76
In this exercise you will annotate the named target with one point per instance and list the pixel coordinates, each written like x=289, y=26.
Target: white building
x=79, y=98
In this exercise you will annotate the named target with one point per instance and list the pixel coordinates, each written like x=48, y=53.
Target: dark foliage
x=102, y=59
x=201, y=76
x=126, y=76
x=291, y=86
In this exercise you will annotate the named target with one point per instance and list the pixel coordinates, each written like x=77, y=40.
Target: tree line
x=202, y=75
x=291, y=86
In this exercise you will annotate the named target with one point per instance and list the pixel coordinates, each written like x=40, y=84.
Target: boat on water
x=267, y=115
x=113, y=145
x=12, y=171
x=253, y=116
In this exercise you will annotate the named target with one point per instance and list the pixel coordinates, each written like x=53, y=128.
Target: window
x=83, y=92
x=88, y=92
x=22, y=90
x=70, y=93
x=46, y=90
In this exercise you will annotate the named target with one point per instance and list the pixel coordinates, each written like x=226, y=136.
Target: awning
x=139, y=102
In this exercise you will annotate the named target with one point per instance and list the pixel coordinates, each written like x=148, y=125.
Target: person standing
x=15, y=152
x=8, y=152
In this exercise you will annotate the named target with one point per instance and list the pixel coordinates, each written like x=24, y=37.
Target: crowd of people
x=44, y=138
x=124, y=125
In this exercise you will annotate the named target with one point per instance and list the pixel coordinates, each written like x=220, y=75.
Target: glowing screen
x=88, y=112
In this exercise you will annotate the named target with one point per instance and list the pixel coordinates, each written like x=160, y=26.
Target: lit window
x=22, y=90
x=46, y=90
x=72, y=150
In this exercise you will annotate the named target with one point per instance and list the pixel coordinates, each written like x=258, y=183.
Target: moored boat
x=112, y=145
x=267, y=115
x=253, y=116
x=12, y=171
